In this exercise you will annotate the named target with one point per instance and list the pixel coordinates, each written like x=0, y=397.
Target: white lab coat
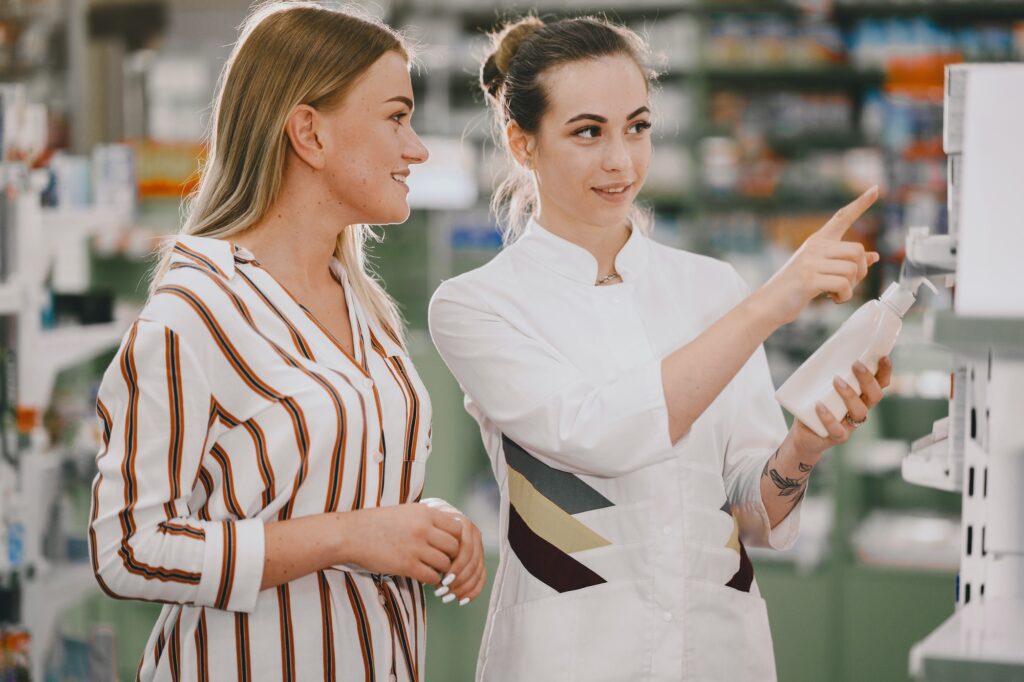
x=618, y=547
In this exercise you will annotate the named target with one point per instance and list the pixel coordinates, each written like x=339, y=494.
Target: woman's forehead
x=611, y=87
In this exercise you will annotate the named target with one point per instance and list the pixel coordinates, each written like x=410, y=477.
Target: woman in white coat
x=622, y=391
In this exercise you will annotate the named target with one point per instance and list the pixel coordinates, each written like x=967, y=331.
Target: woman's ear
x=303, y=130
x=522, y=144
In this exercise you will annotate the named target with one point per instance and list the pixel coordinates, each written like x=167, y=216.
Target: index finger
x=837, y=226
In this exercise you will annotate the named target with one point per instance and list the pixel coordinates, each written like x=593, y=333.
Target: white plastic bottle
x=868, y=336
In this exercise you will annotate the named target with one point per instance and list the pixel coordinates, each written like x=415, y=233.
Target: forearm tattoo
x=794, y=488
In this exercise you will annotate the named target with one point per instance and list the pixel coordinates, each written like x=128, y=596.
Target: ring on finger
x=853, y=423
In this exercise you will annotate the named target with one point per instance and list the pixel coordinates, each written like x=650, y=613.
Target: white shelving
x=66, y=347
x=52, y=591
x=10, y=298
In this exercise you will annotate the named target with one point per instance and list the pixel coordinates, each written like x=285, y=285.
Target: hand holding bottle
x=858, y=402
x=824, y=263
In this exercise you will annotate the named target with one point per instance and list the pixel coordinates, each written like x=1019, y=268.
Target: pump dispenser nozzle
x=901, y=295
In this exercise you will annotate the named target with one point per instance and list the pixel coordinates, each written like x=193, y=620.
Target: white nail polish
x=463, y=601
x=448, y=579
x=441, y=591
x=448, y=598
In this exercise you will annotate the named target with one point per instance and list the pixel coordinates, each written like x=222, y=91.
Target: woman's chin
x=391, y=215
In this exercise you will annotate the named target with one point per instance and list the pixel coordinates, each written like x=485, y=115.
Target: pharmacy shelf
x=785, y=202
x=486, y=16
x=81, y=220
x=977, y=335
x=10, y=298
x=945, y=11
x=53, y=590
x=793, y=145
x=58, y=349
x=837, y=77
x=65, y=347
x=980, y=642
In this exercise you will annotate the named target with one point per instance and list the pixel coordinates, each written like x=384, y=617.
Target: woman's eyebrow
x=602, y=119
x=403, y=99
x=587, y=117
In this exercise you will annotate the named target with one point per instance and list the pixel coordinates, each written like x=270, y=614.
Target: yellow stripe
x=734, y=539
x=548, y=520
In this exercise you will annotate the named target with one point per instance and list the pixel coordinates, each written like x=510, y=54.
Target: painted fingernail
x=448, y=598
x=463, y=601
x=441, y=591
x=448, y=579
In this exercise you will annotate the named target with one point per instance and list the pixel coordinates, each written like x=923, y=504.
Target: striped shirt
x=229, y=405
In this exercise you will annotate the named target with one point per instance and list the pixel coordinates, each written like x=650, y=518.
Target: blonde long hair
x=288, y=53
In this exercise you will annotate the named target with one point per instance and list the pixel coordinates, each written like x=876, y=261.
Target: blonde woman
x=265, y=432
x=622, y=391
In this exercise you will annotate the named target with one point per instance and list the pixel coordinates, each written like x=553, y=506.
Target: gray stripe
x=564, y=489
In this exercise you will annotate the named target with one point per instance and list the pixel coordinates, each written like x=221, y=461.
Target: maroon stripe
x=744, y=577
x=327, y=619
x=544, y=561
x=202, y=663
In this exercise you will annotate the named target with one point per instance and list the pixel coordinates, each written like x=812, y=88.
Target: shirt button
x=378, y=457
x=667, y=617
x=382, y=600
x=667, y=530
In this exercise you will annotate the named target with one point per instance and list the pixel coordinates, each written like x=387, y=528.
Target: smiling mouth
x=402, y=179
x=612, y=192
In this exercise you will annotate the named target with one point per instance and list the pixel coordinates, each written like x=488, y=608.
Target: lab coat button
x=667, y=617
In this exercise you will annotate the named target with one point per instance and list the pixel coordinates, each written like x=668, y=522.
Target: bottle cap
x=899, y=297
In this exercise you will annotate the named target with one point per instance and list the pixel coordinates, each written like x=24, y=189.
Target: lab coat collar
x=575, y=262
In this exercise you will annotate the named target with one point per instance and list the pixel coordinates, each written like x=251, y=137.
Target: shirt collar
x=215, y=255
x=220, y=256
x=575, y=262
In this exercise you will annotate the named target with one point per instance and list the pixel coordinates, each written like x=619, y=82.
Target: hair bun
x=504, y=46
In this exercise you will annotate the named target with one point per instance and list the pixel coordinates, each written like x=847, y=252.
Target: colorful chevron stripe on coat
x=542, y=530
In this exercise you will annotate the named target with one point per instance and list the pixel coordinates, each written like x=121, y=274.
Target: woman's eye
x=399, y=117
x=640, y=126
x=588, y=133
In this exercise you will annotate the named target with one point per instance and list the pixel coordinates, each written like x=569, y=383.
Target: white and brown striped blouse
x=227, y=406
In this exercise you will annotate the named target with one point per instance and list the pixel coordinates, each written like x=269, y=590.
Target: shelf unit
x=47, y=588
x=944, y=11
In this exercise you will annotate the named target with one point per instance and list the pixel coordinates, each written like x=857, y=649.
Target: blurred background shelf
x=946, y=11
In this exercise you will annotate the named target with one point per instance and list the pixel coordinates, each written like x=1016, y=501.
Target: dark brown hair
x=521, y=52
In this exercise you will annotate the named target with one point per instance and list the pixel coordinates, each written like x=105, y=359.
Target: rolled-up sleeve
x=540, y=400
x=154, y=408
x=758, y=428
